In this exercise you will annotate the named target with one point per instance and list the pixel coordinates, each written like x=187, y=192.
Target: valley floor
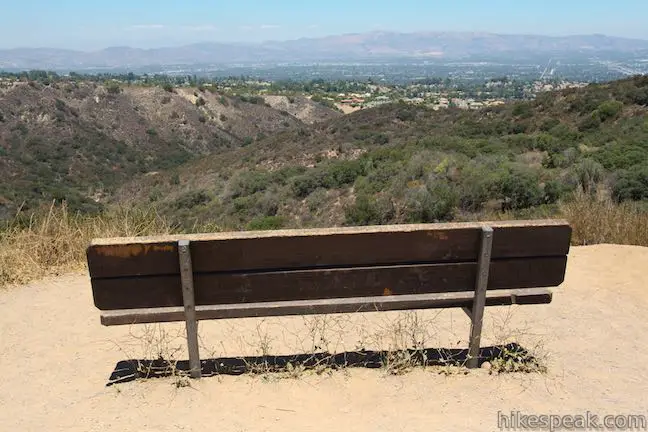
x=56, y=358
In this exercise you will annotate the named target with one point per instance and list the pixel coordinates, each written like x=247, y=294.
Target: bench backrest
x=287, y=265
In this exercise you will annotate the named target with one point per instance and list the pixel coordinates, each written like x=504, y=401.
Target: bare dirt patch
x=57, y=359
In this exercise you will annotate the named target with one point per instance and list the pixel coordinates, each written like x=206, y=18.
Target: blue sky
x=87, y=24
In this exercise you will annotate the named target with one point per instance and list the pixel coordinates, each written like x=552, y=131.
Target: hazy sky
x=87, y=24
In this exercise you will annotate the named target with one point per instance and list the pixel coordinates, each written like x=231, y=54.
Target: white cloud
x=248, y=28
x=147, y=26
x=201, y=28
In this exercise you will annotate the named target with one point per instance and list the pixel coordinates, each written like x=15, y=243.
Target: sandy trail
x=56, y=358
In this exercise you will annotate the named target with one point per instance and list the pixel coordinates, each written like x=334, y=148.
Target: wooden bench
x=325, y=271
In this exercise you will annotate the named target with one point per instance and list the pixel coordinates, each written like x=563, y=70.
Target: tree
x=631, y=185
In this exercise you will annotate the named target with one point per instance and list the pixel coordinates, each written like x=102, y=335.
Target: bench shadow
x=133, y=369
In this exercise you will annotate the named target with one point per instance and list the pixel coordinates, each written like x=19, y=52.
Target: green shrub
x=192, y=199
x=588, y=101
x=588, y=173
x=631, y=185
x=250, y=182
x=316, y=200
x=610, y=109
x=590, y=122
x=479, y=182
x=406, y=114
x=433, y=203
x=615, y=155
x=113, y=88
x=200, y=102
x=342, y=173
x=522, y=110
x=369, y=211
x=284, y=175
x=266, y=223
x=640, y=96
x=305, y=184
x=549, y=124
x=564, y=132
x=60, y=105
x=520, y=189
x=380, y=139
x=554, y=190
x=257, y=100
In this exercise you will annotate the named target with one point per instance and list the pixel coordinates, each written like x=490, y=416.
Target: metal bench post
x=186, y=276
x=479, y=302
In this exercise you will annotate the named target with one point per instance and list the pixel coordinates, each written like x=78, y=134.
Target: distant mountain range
x=348, y=47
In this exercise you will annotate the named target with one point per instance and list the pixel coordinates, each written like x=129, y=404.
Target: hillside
x=403, y=163
x=78, y=141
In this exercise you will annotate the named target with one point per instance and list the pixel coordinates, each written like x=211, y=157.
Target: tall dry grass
x=597, y=221
x=55, y=240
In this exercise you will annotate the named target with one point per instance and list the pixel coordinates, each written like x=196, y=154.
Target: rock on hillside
x=302, y=108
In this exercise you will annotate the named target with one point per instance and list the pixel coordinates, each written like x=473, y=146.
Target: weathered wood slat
x=304, y=249
x=220, y=288
x=306, y=307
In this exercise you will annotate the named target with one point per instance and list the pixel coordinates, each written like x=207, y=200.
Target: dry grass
x=55, y=241
x=597, y=221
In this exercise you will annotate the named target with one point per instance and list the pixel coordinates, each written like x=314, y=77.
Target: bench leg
x=186, y=275
x=479, y=302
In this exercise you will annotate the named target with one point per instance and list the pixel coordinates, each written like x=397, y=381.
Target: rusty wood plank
x=335, y=247
x=219, y=288
x=306, y=307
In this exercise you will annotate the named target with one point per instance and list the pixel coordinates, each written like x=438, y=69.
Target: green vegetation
x=113, y=88
x=396, y=163
x=520, y=159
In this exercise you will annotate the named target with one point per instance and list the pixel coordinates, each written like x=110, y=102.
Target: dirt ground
x=56, y=359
